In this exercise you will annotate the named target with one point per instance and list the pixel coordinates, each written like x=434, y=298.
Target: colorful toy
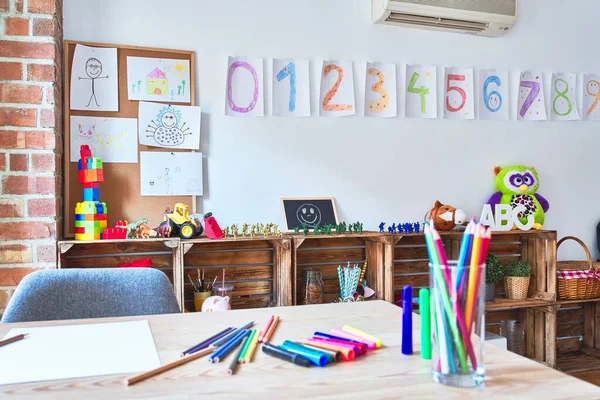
x=517, y=186
x=445, y=217
x=234, y=230
x=276, y=230
x=296, y=229
x=216, y=303
x=252, y=231
x=382, y=227
x=139, y=230
x=90, y=215
x=118, y=232
x=183, y=225
x=226, y=231
x=245, y=229
x=212, y=228
x=305, y=229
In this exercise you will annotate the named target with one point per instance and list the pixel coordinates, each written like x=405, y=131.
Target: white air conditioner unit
x=477, y=17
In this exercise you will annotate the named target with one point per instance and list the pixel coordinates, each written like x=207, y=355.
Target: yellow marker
x=362, y=334
x=252, y=348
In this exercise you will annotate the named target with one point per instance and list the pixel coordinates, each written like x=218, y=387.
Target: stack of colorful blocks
x=90, y=215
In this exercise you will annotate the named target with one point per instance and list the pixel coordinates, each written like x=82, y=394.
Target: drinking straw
x=268, y=335
x=371, y=345
x=267, y=326
x=360, y=333
x=207, y=342
x=250, y=353
x=223, y=282
x=236, y=360
x=246, y=345
x=473, y=276
x=463, y=253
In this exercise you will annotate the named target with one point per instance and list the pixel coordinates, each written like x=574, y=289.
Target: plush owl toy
x=517, y=186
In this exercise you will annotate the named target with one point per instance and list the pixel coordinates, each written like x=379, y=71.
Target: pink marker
x=338, y=343
x=370, y=344
x=359, y=348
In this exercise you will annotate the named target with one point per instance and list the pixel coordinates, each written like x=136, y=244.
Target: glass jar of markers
x=313, y=287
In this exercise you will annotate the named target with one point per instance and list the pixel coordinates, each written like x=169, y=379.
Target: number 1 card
x=291, y=88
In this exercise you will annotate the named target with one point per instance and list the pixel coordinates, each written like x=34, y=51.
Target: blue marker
x=407, y=340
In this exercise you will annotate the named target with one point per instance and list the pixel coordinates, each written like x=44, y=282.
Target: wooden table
x=384, y=373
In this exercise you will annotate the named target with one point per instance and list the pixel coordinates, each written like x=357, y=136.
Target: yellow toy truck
x=178, y=222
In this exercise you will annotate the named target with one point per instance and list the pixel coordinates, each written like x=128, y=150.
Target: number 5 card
x=493, y=95
x=458, y=98
x=421, y=92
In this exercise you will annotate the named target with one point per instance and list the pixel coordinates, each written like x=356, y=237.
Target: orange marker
x=269, y=333
x=266, y=329
x=347, y=353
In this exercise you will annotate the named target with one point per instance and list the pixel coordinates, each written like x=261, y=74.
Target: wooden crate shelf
x=506, y=304
x=327, y=252
x=164, y=254
x=259, y=268
x=578, y=337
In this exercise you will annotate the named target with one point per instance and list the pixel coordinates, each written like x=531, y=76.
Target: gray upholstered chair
x=90, y=293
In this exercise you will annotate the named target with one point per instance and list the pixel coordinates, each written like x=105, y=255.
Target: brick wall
x=30, y=138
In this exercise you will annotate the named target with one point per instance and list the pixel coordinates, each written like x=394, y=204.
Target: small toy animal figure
x=226, y=231
x=517, y=185
x=216, y=303
x=382, y=227
x=234, y=230
x=296, y=229
x=305, y=229
x=164, y=229
x=252, y=231
x=445, y=217
x=144, y=232
x=245, y=229
x=133, y=229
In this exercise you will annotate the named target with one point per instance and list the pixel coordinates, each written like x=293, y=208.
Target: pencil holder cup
x=458, y=324
x=199, y=298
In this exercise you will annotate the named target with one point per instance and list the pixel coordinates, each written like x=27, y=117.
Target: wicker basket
x=585, y=285
x=516, y=287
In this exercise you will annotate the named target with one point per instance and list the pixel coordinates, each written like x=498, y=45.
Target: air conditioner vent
x=412, y=19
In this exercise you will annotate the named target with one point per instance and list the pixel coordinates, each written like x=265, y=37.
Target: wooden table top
x=384, y=373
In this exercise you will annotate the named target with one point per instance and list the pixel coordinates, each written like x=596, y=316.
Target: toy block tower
x=90, y=215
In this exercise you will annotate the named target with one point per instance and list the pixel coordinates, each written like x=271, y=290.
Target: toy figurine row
x=328, y=229
x=247, y=230
x=406, y=227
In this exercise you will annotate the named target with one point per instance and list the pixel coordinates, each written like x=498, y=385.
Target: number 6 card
x=493, y=95
x=458, y=98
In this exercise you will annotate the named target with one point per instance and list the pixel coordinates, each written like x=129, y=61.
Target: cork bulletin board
x=121, y=187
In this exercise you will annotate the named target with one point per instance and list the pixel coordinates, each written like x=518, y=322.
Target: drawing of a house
x=157, y=82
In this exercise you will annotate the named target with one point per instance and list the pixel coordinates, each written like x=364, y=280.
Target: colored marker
x=371, y=345
x=360, y=333
x=336, y=356
x=347, y=353
x=425, y=315
x=318, y=358
x=358, y=350
x=407, y=340
x=285, y=355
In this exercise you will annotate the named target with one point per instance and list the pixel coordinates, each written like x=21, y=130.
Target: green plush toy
x=517, y=185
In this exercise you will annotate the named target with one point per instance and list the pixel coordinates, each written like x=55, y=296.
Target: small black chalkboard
x=300, y=211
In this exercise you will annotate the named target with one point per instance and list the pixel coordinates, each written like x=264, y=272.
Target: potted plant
x=516, y=279
x=493, y=275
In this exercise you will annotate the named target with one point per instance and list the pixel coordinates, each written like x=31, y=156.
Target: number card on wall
x=421, y=92
x=531, y=105
x=337, y=89
x=563, y=106
x=244, y=95
x=291, y=88
x=493, y=95
x=591, y=97
x=380, y=90
x=458, y=98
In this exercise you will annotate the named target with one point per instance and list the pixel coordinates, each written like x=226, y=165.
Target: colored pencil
x=207, y=342
x=267, y=326
x=268, y=335
x=253, y=345
x=13, y=339
x=236, y=360
x=228, y=347
x=463, y=253
x=473, y=276
x=247, y=345
x=167, y=367
x=231, y=335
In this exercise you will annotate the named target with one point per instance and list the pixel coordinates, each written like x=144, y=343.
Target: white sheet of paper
x=169, y=125
x=77, y=351
x=380, y=90
x=493, y=95
x=421, y=91
x=591, y=97
x=291, y=88
x=94, y=79
x=170, y=173
x=563, y=106
x=245, y=87
x=531, y=105
x=158, y=79
x=458, y=95
x=337, y=89
x=112, y=139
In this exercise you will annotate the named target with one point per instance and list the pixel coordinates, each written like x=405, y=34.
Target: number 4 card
x=531, y=105
x=458, y=100
x=493, y=94
x=421, y=92
x=337, y=89
x=291, y=88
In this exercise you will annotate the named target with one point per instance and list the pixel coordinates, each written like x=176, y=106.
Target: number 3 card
x=421, y=92
x=380, y=90
x=531, y=105
x=458, y=100
x=337, y=89
x=493, y=95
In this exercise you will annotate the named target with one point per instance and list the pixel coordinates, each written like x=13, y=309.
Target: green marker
x=246, y=345
x=425, y=313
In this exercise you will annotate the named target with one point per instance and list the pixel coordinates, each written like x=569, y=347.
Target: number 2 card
x=337, y=89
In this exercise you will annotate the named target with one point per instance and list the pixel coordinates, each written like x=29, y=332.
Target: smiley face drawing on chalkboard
x=309, y=214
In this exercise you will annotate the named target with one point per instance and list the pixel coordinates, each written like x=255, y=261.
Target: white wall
x=377, y=169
